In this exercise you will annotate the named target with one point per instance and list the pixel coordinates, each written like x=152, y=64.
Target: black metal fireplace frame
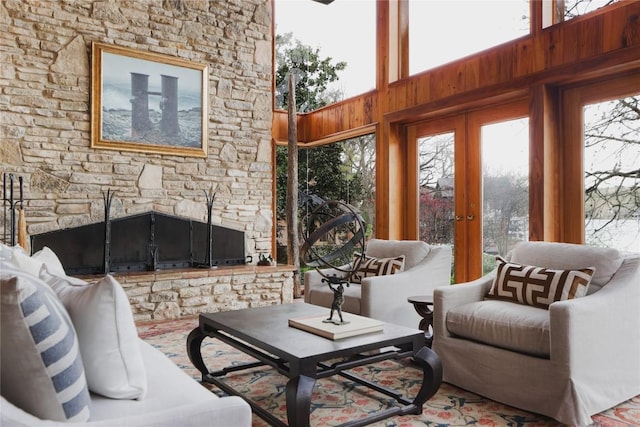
x=144, y=242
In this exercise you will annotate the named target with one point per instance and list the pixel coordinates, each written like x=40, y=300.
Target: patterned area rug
x=337, y=400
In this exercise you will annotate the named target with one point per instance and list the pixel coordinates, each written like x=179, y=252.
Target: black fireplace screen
x=144, y=242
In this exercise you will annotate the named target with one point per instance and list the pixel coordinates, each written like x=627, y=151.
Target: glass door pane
x=612, y=174
x=505, y=187
x=436, y=188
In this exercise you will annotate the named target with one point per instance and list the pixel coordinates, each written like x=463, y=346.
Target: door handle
x=470, y=217
x=459, y=217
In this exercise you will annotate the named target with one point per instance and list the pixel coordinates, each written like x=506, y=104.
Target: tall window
x=343, y=171
x=612, y=173
x=436, y=188
x=441, y=31
x=505, y=187
x=344, y=31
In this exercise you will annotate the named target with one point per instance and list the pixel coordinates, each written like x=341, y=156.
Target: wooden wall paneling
x=442, y=84
x=419, y=90
x=370, y=109
x=279, y=126
x=384, y=214
x=494, y=69
x=551, y=169
x=525, y=59
x=536, y=162
x=471, y=74
x=544, y=164
x=553, y=47
x=403, y=39
x=412, y=203
x=462, y=245
x=473, y=209
x=536, y=14
x=571, y=195
x=590, y=37
x=329, y=123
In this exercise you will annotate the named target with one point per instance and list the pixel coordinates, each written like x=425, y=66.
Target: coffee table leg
x=194, y=341
x=298, y=393
x=432, y=375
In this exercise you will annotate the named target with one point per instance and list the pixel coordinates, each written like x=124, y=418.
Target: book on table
x=357, y=325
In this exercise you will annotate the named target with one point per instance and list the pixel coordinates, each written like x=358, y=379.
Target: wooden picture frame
x=148, y=102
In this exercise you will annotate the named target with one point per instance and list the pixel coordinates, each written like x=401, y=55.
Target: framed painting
x=148, y=102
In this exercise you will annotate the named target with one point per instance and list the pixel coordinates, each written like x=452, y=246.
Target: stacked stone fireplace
x=170, y=267
x=48, y=140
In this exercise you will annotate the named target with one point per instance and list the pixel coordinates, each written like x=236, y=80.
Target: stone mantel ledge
x=187, y=292
x=192, y=273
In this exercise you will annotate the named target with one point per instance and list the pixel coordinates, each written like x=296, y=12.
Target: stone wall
x=45, y=133
x=45, y=112
x=183, y=293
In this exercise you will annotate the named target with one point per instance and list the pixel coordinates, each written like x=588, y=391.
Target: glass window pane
x=436, y=169
x=441, y=31
x=573, y=8
x=505, y=187
x=612, y=174
x=343, y=171
x=344, y=30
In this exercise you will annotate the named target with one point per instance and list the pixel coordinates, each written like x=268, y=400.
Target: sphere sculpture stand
x=338, y=298
x=334, y=221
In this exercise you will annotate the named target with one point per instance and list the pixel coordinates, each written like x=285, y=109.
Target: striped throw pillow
x=41, y=367
x=371, y=266
x=538, y=286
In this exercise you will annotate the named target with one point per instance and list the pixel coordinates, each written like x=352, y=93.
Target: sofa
x=555, y=330
x=70, y=354
x=391, y=271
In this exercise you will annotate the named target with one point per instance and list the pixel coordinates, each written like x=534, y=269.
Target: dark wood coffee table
x=303, y=357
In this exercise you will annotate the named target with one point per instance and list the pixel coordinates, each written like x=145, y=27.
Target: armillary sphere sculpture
x=334, y=238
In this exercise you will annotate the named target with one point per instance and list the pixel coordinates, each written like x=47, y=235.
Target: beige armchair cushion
x=502, y=324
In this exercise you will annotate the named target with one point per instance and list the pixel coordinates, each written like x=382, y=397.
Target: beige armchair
x=385, y=297
x=577, y=358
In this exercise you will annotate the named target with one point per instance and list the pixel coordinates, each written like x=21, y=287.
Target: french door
x=472, y=184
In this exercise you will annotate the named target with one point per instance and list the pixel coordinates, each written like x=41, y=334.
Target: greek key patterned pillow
x=371, y=266
x=538, y=286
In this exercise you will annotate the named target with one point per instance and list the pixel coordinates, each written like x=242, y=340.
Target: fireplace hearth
x=144, y=242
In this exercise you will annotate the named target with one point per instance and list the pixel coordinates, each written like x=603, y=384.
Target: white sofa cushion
x=174, y=399
x=33, y=264
x=414, y=251
x=107, y=334
x=569, y=256
x=41, y=366
x=516, y=327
